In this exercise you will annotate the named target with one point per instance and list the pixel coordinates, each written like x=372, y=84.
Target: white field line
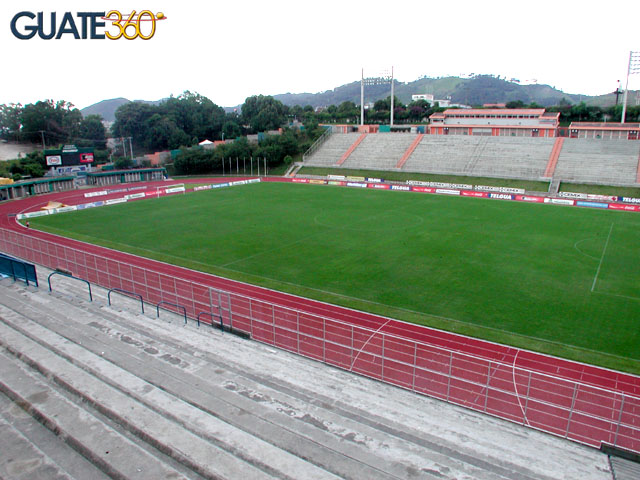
x=604, y=251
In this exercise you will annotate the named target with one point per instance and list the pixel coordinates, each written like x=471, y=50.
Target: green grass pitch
x=560, y=280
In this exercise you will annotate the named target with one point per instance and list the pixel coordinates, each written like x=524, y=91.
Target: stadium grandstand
x=500, y=143
x=92, y=389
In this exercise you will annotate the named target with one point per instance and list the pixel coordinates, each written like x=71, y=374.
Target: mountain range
x=476, y=90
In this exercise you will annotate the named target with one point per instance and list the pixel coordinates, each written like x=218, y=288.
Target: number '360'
x=131, y=22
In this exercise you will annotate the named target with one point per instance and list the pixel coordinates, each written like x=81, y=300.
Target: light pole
x=634, y=67
x=380, y=80
x=392, y=106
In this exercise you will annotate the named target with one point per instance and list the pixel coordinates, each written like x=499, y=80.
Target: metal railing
x=69, y=275
x=567, y=408
x=179, y=307
x=18, y=270
x=126, y=293
x=317, y=144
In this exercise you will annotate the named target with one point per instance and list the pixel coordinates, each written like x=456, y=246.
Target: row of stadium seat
x=588, y=160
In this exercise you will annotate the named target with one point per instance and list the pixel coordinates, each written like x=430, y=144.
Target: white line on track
x=515, y=388
x=365, y=344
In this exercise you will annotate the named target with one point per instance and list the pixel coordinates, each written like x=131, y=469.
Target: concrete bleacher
x=598, y=161
x=329, y=154
x=510, y=157
x=92, y=391
x=381, y=151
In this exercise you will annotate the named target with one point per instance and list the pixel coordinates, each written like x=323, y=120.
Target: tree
x=276, y=147
x=419, y=110
x=10, y=119
x=34, y=170
x=348, y=111
x=297, y=112
x=382, y=105
x=131, y=121
x=60, y=121
x=92, y=132
x=231, y=129
x=263, y=113
x=515, y=104
x=196, y=115
x=179, y=121
x=122, y=163
x=162, y=133
x=33, y=165
x=195, y=161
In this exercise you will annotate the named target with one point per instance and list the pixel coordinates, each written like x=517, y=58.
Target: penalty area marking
x=575, y=245
x=604, y=251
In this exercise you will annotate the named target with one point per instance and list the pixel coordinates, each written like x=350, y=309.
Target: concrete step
x=270, y=405
x=241, y=400
x=104, y=447
x=624, y=469
x=182, y=431
x=30, y=451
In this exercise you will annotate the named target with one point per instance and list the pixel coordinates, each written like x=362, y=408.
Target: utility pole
x=42, y=134
x=618, y=92
x=130, y=148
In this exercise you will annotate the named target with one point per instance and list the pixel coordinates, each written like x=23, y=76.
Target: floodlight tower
x=391, y=122
x=362, y=99
x=634, y=67
x=380, y=80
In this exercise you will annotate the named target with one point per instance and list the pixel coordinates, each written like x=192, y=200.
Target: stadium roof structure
x=604, y=126
x=496, y=121
x=497, y=112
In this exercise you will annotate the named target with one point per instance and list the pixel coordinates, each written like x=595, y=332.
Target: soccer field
x=555, y=279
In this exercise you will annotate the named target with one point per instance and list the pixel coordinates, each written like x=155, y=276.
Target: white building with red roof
x=497, y=122
x=606, y=131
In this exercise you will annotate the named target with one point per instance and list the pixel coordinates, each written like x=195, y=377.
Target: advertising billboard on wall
x=69, y=156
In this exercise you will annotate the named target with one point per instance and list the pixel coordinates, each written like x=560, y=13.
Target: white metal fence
x=570, y=409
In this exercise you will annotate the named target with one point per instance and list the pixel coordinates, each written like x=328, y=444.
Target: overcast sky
x=229, y=50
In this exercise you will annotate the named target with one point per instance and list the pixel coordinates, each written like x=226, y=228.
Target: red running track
x=549, y=390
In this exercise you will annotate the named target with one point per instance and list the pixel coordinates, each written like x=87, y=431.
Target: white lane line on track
x=365, y=344
x=515, y=388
